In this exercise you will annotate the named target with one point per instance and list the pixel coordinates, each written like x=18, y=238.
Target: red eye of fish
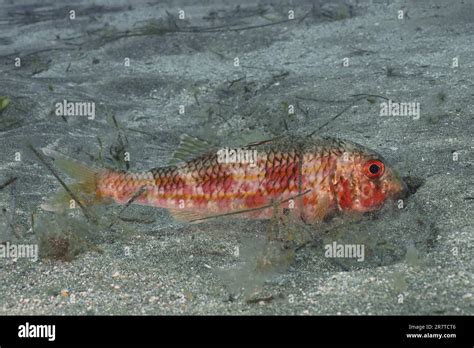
x=374, y=169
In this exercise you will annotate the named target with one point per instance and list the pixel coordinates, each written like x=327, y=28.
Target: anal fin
x=188, y=216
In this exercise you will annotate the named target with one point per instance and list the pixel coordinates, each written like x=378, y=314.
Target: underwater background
x=234, y=73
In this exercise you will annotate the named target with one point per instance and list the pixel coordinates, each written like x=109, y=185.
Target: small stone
x=64, y=293
x=153, y=299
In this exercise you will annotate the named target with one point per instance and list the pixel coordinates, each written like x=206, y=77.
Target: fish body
x=312, y=178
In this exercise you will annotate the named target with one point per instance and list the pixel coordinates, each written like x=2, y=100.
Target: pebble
x=153, y=299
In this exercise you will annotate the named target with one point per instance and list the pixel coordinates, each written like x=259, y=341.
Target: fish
x=312, y=178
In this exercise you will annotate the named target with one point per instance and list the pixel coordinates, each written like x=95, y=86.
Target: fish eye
x=374, y=169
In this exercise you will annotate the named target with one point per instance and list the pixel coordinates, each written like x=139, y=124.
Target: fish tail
x=84, y=189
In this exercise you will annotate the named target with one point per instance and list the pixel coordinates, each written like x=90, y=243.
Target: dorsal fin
x=266, y=141
x=190, y=148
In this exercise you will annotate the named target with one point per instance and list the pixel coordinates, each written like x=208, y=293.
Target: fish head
x=366, y=181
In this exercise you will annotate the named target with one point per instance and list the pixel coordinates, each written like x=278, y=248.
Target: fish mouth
x=399, y=190
x=396, y=186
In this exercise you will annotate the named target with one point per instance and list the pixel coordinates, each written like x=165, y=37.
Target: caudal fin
x=84, y=189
